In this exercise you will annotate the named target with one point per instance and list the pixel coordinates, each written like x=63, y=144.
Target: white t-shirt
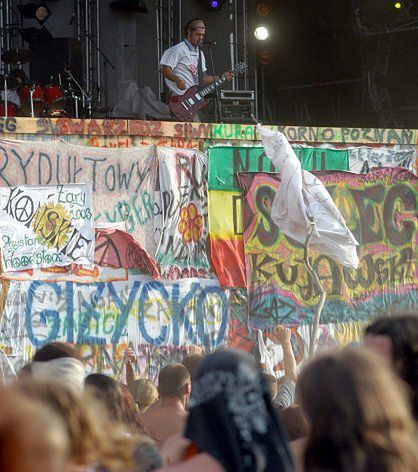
x=183, y=58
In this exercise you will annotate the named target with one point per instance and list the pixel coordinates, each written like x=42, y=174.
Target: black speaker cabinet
x=48, y=57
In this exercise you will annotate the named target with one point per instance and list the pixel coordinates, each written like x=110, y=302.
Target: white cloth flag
x=302, y=198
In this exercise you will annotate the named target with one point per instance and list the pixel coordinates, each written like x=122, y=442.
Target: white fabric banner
x=181, y=219
x=363, y=159
x=302, y=198
x=46, y=226
x=123, y=180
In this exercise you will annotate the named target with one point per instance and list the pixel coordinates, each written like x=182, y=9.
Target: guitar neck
x=210, y=88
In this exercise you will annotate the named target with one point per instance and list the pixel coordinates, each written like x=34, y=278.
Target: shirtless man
x=168, y=415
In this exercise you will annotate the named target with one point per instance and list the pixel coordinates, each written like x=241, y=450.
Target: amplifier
x=237, y=95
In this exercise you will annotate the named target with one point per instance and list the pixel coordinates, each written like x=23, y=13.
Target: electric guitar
x=184, y=107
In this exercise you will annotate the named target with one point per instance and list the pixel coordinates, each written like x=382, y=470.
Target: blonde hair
x=145, y=393
x=93, y=438
x=359, y=415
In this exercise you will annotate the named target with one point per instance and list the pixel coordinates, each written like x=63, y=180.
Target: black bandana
x=231, y=416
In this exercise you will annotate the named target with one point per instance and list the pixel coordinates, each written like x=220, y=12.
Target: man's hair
x=56, y=350
x=171, y=380
x=193, y=24
x=192, y=363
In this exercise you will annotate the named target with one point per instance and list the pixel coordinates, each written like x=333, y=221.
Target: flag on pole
x=301, y=199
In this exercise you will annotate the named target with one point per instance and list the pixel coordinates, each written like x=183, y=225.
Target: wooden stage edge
x=12, y=127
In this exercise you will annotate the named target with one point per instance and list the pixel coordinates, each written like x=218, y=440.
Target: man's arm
x=282, y=336
x=167, y=72
x=208, y=79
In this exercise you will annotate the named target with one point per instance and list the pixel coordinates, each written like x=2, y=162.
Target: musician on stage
x=181, y=65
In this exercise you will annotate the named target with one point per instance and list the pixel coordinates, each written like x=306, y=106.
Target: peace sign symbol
x=23, y=208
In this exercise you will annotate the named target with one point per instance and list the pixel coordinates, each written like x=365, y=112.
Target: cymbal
x=11, y=82
x=16, y=56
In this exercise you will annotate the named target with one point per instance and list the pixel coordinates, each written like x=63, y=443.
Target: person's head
x=174, y=382
x=192, y=363
x=56, y=350
x=396, y=339
x=358, y=414
x=108, y=393
x=59, y=362
x=32, y=437
x=144, y=393
x=194, y=31
x=272, y=384
x=294, y=422
x=231, y=416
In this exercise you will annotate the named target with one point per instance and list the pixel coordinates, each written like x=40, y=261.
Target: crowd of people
x=349, y=410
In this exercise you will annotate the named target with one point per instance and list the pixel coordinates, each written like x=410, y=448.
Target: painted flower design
x=191, y=224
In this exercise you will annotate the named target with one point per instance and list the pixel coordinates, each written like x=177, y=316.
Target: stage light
x=214, y=5
x=261, y=33
x=398, y=5
x=38, y=11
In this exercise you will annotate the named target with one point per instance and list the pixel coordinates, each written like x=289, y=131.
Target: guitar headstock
x=239, y=68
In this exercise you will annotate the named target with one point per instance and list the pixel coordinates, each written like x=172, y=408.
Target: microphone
x=72, y=19
x=209, y=43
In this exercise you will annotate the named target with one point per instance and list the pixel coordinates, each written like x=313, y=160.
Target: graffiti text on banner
x=122, y=179
x=379, y=208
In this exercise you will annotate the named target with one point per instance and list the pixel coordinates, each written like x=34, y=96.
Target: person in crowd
x=395, y=338
x=59, y=362
x=168, y=415
x=286, y=387
x=359, y=417
x=231, y=425
x=144, y=393
x=192, y=362
x=271, y=383
x=32, y=437
x=294, y=422
x=130, y=413
x=108, y=392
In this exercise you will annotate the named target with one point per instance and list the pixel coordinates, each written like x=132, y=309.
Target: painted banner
x=224, y=197
x=46, y=226
x=123, y=180
x=380, y=209
x=108, y=317
x=182, y=213
x=362, y=159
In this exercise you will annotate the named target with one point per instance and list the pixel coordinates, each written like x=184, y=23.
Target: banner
x=224, y=197
x=362, y=159
x=123, y=180
x=380, y=209
x=46, y=226
x=182, y=213
x=108, y=317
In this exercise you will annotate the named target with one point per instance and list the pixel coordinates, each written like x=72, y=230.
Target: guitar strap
x=200, y=70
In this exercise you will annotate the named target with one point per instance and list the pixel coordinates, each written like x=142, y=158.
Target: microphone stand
x=106, y=61
x=218, y=111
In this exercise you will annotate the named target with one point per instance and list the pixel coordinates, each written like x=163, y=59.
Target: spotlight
x=214, y=5
x=262, y=9
x=38, y=11
x=398, y=5
x=261, y=33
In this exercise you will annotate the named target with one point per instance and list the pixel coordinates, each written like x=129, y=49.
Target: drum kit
x=62, y=97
